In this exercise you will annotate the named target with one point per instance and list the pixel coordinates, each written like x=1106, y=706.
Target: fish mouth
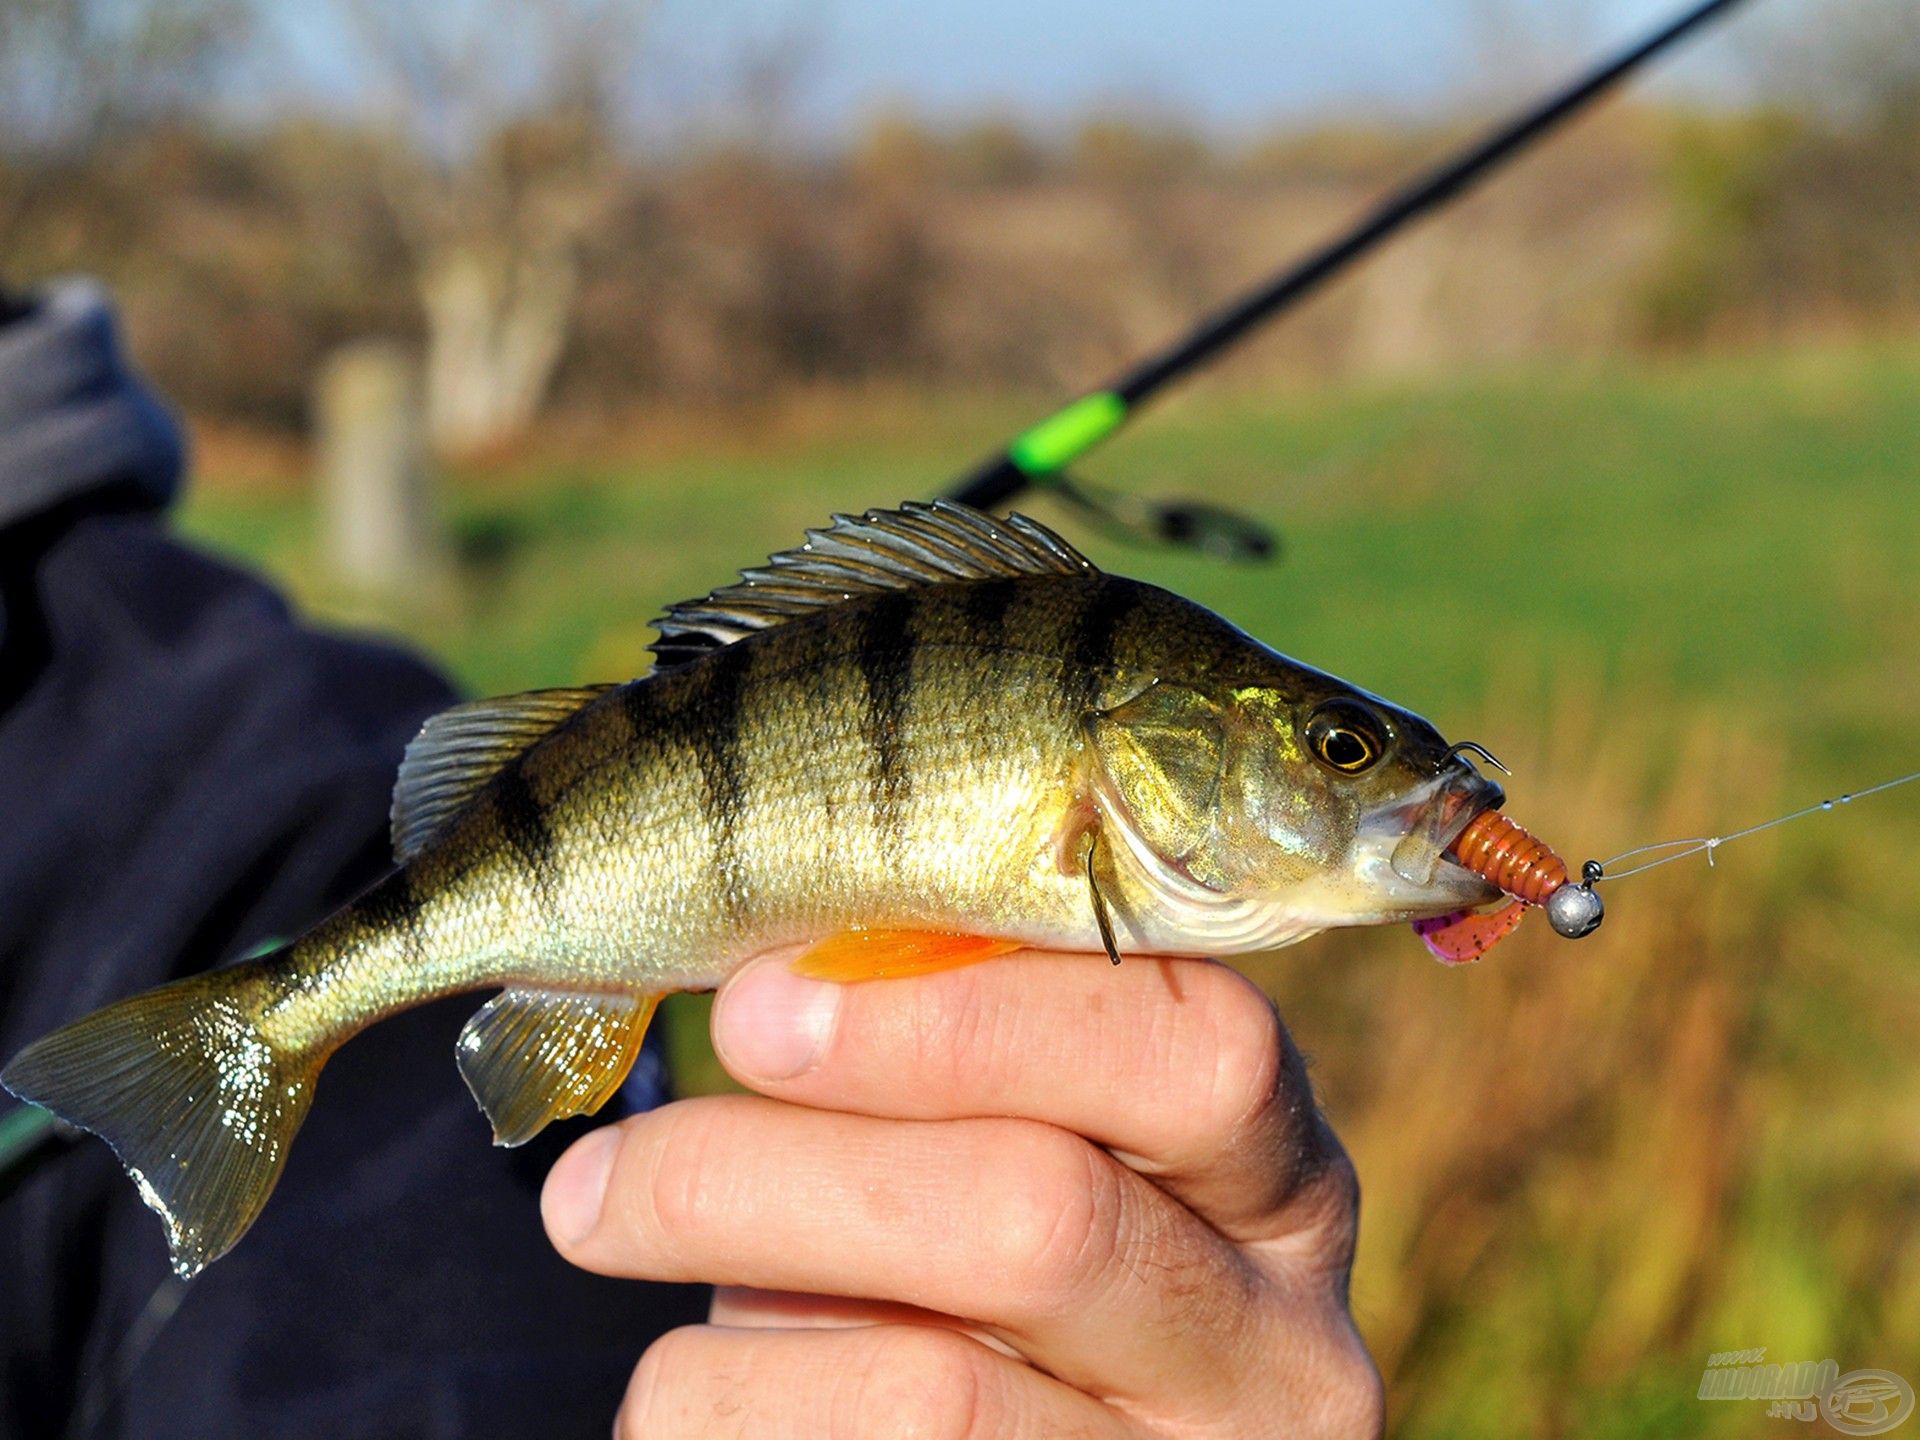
x=1404, y=843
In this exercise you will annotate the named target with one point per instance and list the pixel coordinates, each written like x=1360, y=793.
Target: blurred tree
x=995, y=150
x=502, y=154
x=896, y=148
x=1133, y=150
x=75, y=75
x=1801, y=216
x=1846, y=193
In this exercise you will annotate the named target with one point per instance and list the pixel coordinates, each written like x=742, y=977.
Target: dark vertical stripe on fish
x=984, y=606
x=524, y=824
x=886, y=664
x=640, y=704
x=1109, y=604
x=717, y=716
x=393, y=908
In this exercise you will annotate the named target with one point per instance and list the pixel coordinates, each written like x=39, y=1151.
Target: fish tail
x=194, y=1095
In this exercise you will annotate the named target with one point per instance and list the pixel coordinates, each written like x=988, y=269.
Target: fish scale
x=922, y=738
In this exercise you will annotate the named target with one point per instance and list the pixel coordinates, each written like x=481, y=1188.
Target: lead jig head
x=1575, y=911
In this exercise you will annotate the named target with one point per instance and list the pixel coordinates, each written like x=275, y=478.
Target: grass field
x=1672, y=598
x=1739, y=533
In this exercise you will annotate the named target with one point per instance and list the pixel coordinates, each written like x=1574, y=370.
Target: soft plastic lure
x=1496, y=848
x=1500, y=851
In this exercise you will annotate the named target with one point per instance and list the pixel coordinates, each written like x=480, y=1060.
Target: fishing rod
x=1041, y=454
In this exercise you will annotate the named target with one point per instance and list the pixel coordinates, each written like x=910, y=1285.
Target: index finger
x=1180, y=1067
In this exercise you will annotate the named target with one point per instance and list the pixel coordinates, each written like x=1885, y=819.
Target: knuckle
x=647, y=1408
x=966, y=1033
x=1250, y=1074
x=680, y=1192
x=1056, y=1214
x=917, y=1383
x=1327, y=1206
x=675, y=1182
x=1354, y=1399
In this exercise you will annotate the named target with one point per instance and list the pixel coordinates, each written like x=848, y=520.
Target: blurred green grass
x=1678, y=595
x=1738, y=531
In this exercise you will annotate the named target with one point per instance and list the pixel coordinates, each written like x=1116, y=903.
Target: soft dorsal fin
x=918, y=544
x=458, y=750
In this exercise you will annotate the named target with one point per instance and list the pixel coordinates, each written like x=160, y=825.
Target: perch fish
x=924, y=737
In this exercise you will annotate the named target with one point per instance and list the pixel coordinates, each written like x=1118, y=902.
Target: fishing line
x=1595, y=871
x=1512, y=860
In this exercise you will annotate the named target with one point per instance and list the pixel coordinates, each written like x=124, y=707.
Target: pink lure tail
x=1503, y=853
x=1466, y=935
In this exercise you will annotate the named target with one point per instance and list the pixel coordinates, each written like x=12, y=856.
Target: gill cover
x=1162, y=756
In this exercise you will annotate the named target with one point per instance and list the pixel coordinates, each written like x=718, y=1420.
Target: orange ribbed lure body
x=1495, y=847
x=1500, y=851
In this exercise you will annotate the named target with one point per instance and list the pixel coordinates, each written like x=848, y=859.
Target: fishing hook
x=1477, y=748
x=1100, y=905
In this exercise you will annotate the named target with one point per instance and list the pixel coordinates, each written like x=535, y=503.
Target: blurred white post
x=381, y=526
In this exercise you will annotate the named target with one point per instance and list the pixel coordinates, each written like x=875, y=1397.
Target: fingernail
x=577, y=1184
x=772, y=1024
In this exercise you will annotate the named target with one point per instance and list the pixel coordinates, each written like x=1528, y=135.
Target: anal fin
x=533, y=1056
x=894, y=954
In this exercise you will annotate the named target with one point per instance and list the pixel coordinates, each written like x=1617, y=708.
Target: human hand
x=1040, y=1196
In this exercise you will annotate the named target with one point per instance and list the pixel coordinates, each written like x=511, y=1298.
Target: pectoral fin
x=535, y=1056
x=856, y=955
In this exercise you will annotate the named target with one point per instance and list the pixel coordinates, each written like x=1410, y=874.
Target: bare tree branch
x=77, y=74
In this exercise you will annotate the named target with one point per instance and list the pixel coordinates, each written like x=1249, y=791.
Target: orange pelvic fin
x=892, y=954
x=1468, y=934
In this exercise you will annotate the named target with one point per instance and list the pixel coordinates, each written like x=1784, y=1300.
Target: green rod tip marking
x=1066, y=435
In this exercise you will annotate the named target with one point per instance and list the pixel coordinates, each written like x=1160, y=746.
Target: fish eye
x=1345, y=737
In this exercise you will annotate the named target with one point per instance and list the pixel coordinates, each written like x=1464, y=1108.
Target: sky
x=1233, y=67
x=1230, y=65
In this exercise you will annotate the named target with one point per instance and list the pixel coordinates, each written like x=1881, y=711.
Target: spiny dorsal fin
x=918, y=544
x=458, y=750
x=534, y=1056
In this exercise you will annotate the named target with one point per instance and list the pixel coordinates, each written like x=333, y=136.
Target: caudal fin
x=197, y=1102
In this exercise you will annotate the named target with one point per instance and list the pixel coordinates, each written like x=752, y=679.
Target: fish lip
x=1460, y=797
x=1459, y=875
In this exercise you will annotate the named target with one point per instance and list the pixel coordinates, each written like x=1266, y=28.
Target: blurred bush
x=1590, y=1166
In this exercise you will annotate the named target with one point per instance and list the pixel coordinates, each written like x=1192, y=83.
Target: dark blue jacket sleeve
x=185, y=771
